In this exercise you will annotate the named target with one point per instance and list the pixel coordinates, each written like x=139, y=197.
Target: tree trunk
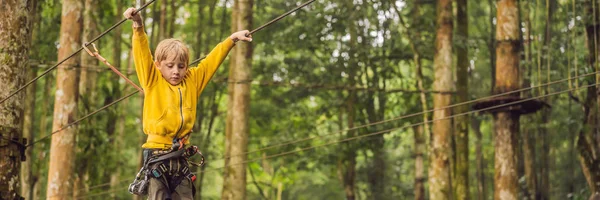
x=479, y=159
x=43, y=131
x=154, y=36
x=27, y=178
x=419, y=186
x=492, y=43
x=15, y=27
x=420, y=132
x=113, y=123
x=172, y=19
x=234, y=186
x=375, y=107
x=162, y=26
x=205, y=145
x=226, y=192
x=347, y=162
x=587, y=144
x=87, y=90
x=460, y=180
x=507, y=79
x=346, y=172
x=505, y=164
x=439, y=169
x=528, y=138
x=26, y=167
x=87, y=83
x=62, y=154
x=545, y=136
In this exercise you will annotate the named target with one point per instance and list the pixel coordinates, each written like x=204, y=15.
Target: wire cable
x=73, y=54
x=83, y=118
x=267, y=24
x=399, y=128
x=408, y=116
x=358, y=137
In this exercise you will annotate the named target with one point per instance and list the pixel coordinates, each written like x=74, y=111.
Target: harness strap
x=102, y=59
x=168, y=156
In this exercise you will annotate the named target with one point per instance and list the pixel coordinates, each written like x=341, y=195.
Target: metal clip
x=88, y=50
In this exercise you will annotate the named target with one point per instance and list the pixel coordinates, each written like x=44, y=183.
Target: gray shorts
x=159, y=191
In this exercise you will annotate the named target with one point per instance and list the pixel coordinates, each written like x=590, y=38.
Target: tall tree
x=116, y=125
x=15, y=27
x=234, y=186
x=507, y=79
x=420, y=132
x=27, y=178
x=347, y=160
x=87, y=82
x=460, y=179
x=479, y=159
x=439, y=169
x=87, y=91
x=162, y=26
x=587, y=143
x=528, y=137
x=545, y=137
x=62, y=154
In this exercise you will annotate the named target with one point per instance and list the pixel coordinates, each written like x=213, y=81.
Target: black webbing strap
x=171, y=155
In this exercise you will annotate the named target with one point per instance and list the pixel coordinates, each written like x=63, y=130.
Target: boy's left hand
x=241, y=35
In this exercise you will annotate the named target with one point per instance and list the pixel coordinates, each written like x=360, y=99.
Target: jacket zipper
x=180, y=112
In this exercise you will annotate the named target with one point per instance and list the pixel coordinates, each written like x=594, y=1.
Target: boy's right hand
x=132, y=15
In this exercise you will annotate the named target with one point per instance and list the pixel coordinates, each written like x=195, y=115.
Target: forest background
x=326, y=89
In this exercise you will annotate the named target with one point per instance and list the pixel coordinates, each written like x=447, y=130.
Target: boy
x=171, y=91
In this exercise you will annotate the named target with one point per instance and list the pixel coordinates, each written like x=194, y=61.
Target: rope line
x=399, y=128
x=83, y=118
x=123, y=98
x=409, y=115
x=358, y=137
x=320, y=136
x=72, y=55
x=266, y=24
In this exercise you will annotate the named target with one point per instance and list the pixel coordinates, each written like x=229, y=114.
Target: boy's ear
x=157, y=64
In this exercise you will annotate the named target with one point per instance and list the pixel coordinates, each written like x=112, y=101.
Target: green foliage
x=329, y=43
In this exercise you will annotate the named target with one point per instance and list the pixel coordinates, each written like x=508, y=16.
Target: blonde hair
x=170, y=47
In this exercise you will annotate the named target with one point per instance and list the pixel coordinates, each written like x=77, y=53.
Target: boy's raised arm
x=142, y=55
x=207, y=67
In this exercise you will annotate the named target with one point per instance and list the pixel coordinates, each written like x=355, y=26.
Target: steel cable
x=72, y=55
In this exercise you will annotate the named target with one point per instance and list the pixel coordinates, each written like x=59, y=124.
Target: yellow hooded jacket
x=170, y=110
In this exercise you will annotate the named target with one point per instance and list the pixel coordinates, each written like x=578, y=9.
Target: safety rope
x=410, y=115
x=83, y=118
x=267, y=24
x=73, y=54
x=361, y=136
x=97, y=55
x=123, y=98
x=399, y=128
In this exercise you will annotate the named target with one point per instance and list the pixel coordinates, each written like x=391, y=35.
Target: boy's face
x=172, y=69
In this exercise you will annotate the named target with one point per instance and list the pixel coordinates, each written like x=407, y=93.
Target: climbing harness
x=97, y=55
x=159, y=164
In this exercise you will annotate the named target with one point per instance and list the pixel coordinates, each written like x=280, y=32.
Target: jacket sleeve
x=144, y=64
x=207, y=67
